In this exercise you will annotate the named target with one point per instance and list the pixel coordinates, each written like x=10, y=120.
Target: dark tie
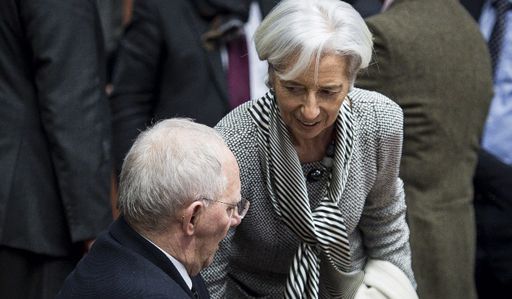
x=496, y=40
x=194, y=292
x=238, y=71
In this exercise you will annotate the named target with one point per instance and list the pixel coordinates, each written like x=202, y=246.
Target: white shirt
x=258, y=70
x=177, y=264
x=386, y=5
x=497, y=135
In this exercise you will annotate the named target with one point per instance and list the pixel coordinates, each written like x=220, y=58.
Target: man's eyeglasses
x=241, y=207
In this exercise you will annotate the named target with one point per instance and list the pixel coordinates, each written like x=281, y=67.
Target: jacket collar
x=127, y=236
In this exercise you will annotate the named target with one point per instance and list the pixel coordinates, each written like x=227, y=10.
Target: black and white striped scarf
x=321, y=229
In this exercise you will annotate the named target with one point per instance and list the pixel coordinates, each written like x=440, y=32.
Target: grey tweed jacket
x=254, y=260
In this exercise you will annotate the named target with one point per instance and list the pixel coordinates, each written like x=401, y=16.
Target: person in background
x=431, y=59
x=493, y=178
x=366, y=8
x=474, y=7
x=111, y=16
x=179, y=194
x=319, y=163
x=54, y=142
x=114, y=15
x=186, y=58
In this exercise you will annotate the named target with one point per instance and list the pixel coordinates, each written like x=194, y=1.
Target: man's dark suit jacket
x=54, y=126
x=123, y=264
x=163, y=70
x=432, y=60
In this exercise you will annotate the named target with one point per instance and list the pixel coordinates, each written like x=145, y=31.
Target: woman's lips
x=308, y=124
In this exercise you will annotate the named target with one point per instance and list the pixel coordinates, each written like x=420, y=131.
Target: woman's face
x=309, y=108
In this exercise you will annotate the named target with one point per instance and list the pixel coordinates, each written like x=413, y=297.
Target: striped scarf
x=321, y=229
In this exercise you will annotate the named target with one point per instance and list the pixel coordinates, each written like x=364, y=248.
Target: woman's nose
x=310, y=109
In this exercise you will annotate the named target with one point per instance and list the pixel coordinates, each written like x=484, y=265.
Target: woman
x=319, y=163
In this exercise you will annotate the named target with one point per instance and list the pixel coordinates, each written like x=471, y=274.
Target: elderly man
x=179, y=195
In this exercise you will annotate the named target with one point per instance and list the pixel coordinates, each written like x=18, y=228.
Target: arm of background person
x=135, y=77
x=69, y=69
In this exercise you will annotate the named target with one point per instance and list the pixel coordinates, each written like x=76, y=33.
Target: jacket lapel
x=123, y=233
x=213, y=58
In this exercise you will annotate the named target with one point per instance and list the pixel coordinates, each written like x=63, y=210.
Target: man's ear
x=190, y=217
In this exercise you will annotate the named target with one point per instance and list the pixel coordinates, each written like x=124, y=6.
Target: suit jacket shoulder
x=122, y=264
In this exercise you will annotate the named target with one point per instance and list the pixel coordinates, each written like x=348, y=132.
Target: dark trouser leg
x=26, y=275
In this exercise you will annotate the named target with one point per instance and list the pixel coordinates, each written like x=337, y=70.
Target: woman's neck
x=311, y=150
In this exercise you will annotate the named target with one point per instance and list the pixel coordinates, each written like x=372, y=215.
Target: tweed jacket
x=431, y=59
x=254, y=260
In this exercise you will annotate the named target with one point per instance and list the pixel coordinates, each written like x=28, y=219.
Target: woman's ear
x=270, y=77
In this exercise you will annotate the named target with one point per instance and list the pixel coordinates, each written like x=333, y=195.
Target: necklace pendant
x=315, y=175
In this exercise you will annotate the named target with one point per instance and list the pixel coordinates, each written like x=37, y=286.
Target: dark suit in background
x=163, y=70
x=54, y=142
x=366, y=8
x=493, y=210
x=432, y=60
x=474, y=7
x=111, y=16
x=130, y=267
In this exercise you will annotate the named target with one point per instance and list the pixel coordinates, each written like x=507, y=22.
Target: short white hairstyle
x=169, y=166
x=301, y=31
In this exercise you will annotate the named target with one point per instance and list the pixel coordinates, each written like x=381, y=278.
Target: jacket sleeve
x=383, y=223
x=135, y=77
x=69, y=70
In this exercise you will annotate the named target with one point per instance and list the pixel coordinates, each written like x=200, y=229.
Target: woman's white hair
x=169, y=166
x=301, y=31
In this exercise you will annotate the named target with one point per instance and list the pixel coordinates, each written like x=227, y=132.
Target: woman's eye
x=293, y=89
x=328, y=93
